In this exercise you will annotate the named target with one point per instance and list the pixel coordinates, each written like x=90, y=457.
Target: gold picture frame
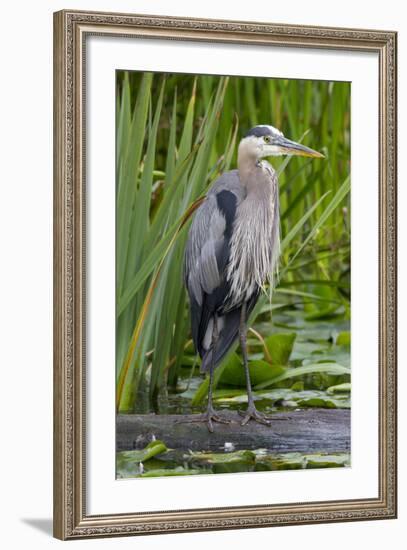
x=70, y=31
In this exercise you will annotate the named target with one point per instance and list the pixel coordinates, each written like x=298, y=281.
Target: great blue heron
x=232, y=250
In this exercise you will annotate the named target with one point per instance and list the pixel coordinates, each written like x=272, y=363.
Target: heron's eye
x=267, y=139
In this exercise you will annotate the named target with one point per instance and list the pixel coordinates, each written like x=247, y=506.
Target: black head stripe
x=259, y=131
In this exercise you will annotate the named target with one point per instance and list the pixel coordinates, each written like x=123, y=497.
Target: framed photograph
x=225, y=274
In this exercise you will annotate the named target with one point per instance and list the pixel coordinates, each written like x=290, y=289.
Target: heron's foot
x=253, y=414
x=209, y=417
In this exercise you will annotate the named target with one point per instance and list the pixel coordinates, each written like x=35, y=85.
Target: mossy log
x=305, y=431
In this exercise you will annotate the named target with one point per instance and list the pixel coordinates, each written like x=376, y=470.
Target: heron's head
x=266, y=141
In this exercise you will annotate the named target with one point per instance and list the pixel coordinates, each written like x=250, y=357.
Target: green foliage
x=232, y=364
x=280, y=346
x=277, y=353
x=178, y=471
x=260, y=370
x=287, y=398
x=247, y=457
x=343, y=338
x=296, y=461
x=228, y=462
x=154, y=448
x=289, y=373
x=339, y=388
x=175, y=135
x=130, y=463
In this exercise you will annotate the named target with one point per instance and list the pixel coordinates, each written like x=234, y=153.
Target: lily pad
x=303, y=350
x=327, y=312
x=260, y=371
x=225, y=463
x=240, y=457
x=279, y=346
x=334, y=354
x=328, y=368
x=180, y=471
x=154, y=448
x=340, y=388
x=320, y=402
x=327, y=461
x=231, y=362
x=287, y=398
x=343, y=338
x=287, y=461
x=298, y=461
x=128, y=469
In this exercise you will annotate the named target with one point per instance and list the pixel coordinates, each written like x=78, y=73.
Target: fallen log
x=306, y=431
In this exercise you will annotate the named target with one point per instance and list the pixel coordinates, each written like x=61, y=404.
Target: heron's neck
x=248, y=165
x=253, y=175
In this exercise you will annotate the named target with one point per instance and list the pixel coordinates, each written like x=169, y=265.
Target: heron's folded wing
x=206, y=240
x=206, y=259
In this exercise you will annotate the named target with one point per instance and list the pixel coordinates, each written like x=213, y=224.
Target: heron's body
x=232, y=250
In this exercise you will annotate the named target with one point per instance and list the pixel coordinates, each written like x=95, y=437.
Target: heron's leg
x=215, y=337
x=210, y=415
x=251, y=413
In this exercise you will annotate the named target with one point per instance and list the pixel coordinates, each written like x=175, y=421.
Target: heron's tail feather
x=228, y=332
x=228, y=326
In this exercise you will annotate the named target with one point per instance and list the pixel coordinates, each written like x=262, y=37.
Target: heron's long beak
x=288, y=147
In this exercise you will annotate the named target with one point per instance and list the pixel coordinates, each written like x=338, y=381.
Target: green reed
x=175, y=135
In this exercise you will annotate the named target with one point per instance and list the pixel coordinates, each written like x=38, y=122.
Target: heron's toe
x=208, y=417
x=253, y=414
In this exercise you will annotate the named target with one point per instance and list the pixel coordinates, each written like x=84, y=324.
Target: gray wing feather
x=208, y=273
x=206, y=237
x=206, y=252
